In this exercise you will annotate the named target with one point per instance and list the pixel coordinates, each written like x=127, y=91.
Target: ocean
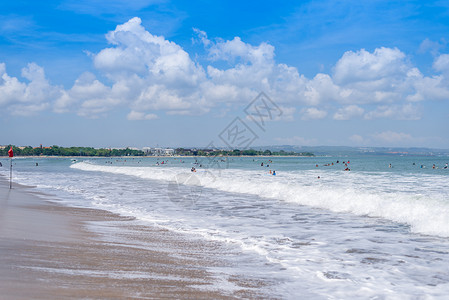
x=378, y=230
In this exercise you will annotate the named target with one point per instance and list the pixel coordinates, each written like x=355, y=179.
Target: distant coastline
x=268, y=151
x=57, y=151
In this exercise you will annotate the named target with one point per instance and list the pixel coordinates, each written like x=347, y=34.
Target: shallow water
x=374, y=231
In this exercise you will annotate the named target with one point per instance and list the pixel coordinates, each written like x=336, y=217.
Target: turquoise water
x=372, y=232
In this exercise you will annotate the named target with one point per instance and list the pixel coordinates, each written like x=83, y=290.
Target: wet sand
x=50, y=251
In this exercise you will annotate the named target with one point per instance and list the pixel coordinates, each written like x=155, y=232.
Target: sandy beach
x=50, y=251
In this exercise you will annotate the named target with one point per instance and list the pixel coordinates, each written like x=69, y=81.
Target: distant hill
x=346, y=150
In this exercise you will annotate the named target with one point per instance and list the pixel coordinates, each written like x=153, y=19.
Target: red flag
x=11, y=154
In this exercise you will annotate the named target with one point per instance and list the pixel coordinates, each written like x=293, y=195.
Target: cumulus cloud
x=147, y=74
x=26, y=98
x=348, y=112
x=236, y=49
x=90, y=97
x=312, y=113
x=441, y=63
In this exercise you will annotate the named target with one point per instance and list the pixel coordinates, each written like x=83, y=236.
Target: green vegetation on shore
x=102, y=152
x=69, y=151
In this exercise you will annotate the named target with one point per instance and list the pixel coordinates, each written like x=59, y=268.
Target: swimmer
x=274, y=173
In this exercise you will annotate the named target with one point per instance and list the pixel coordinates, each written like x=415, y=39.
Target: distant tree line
x=237, y=152
x=69, y=151
x=89, y=151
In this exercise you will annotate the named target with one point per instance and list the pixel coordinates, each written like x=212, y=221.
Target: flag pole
x=11, y=155
x=10, y=174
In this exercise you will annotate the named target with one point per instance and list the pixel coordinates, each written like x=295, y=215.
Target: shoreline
x=52, y=251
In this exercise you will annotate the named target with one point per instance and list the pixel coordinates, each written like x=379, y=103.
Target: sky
x=238, y=74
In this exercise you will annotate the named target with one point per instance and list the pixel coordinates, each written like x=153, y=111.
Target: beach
x=48, y=252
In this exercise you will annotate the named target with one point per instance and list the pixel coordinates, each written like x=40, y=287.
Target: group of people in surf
x=345, y=163
x=268, y=165
x=433, y=166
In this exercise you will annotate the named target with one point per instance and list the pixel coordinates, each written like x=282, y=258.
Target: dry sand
x=49, y=251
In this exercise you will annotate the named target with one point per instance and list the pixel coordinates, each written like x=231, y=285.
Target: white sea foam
x=421, y=202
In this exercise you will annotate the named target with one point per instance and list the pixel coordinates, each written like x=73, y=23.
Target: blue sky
x=177, y=73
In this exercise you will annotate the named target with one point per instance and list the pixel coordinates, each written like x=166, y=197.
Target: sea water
x=377, y=230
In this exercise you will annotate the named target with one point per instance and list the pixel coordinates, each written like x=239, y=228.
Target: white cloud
x=236, y=49
x=404, y=112
x=88, y=96
x=363, y=66
x=431, y=46
x=348, y=112
x=23, y=98
x=312, y=113
x=202, y=36
x=136, y=116
x=441, y=63
x=391, y=137
x=147, y=73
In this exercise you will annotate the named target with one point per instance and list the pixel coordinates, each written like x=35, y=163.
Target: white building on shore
x=158, y=151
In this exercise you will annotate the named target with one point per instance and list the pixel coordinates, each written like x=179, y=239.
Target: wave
x=421, y=202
